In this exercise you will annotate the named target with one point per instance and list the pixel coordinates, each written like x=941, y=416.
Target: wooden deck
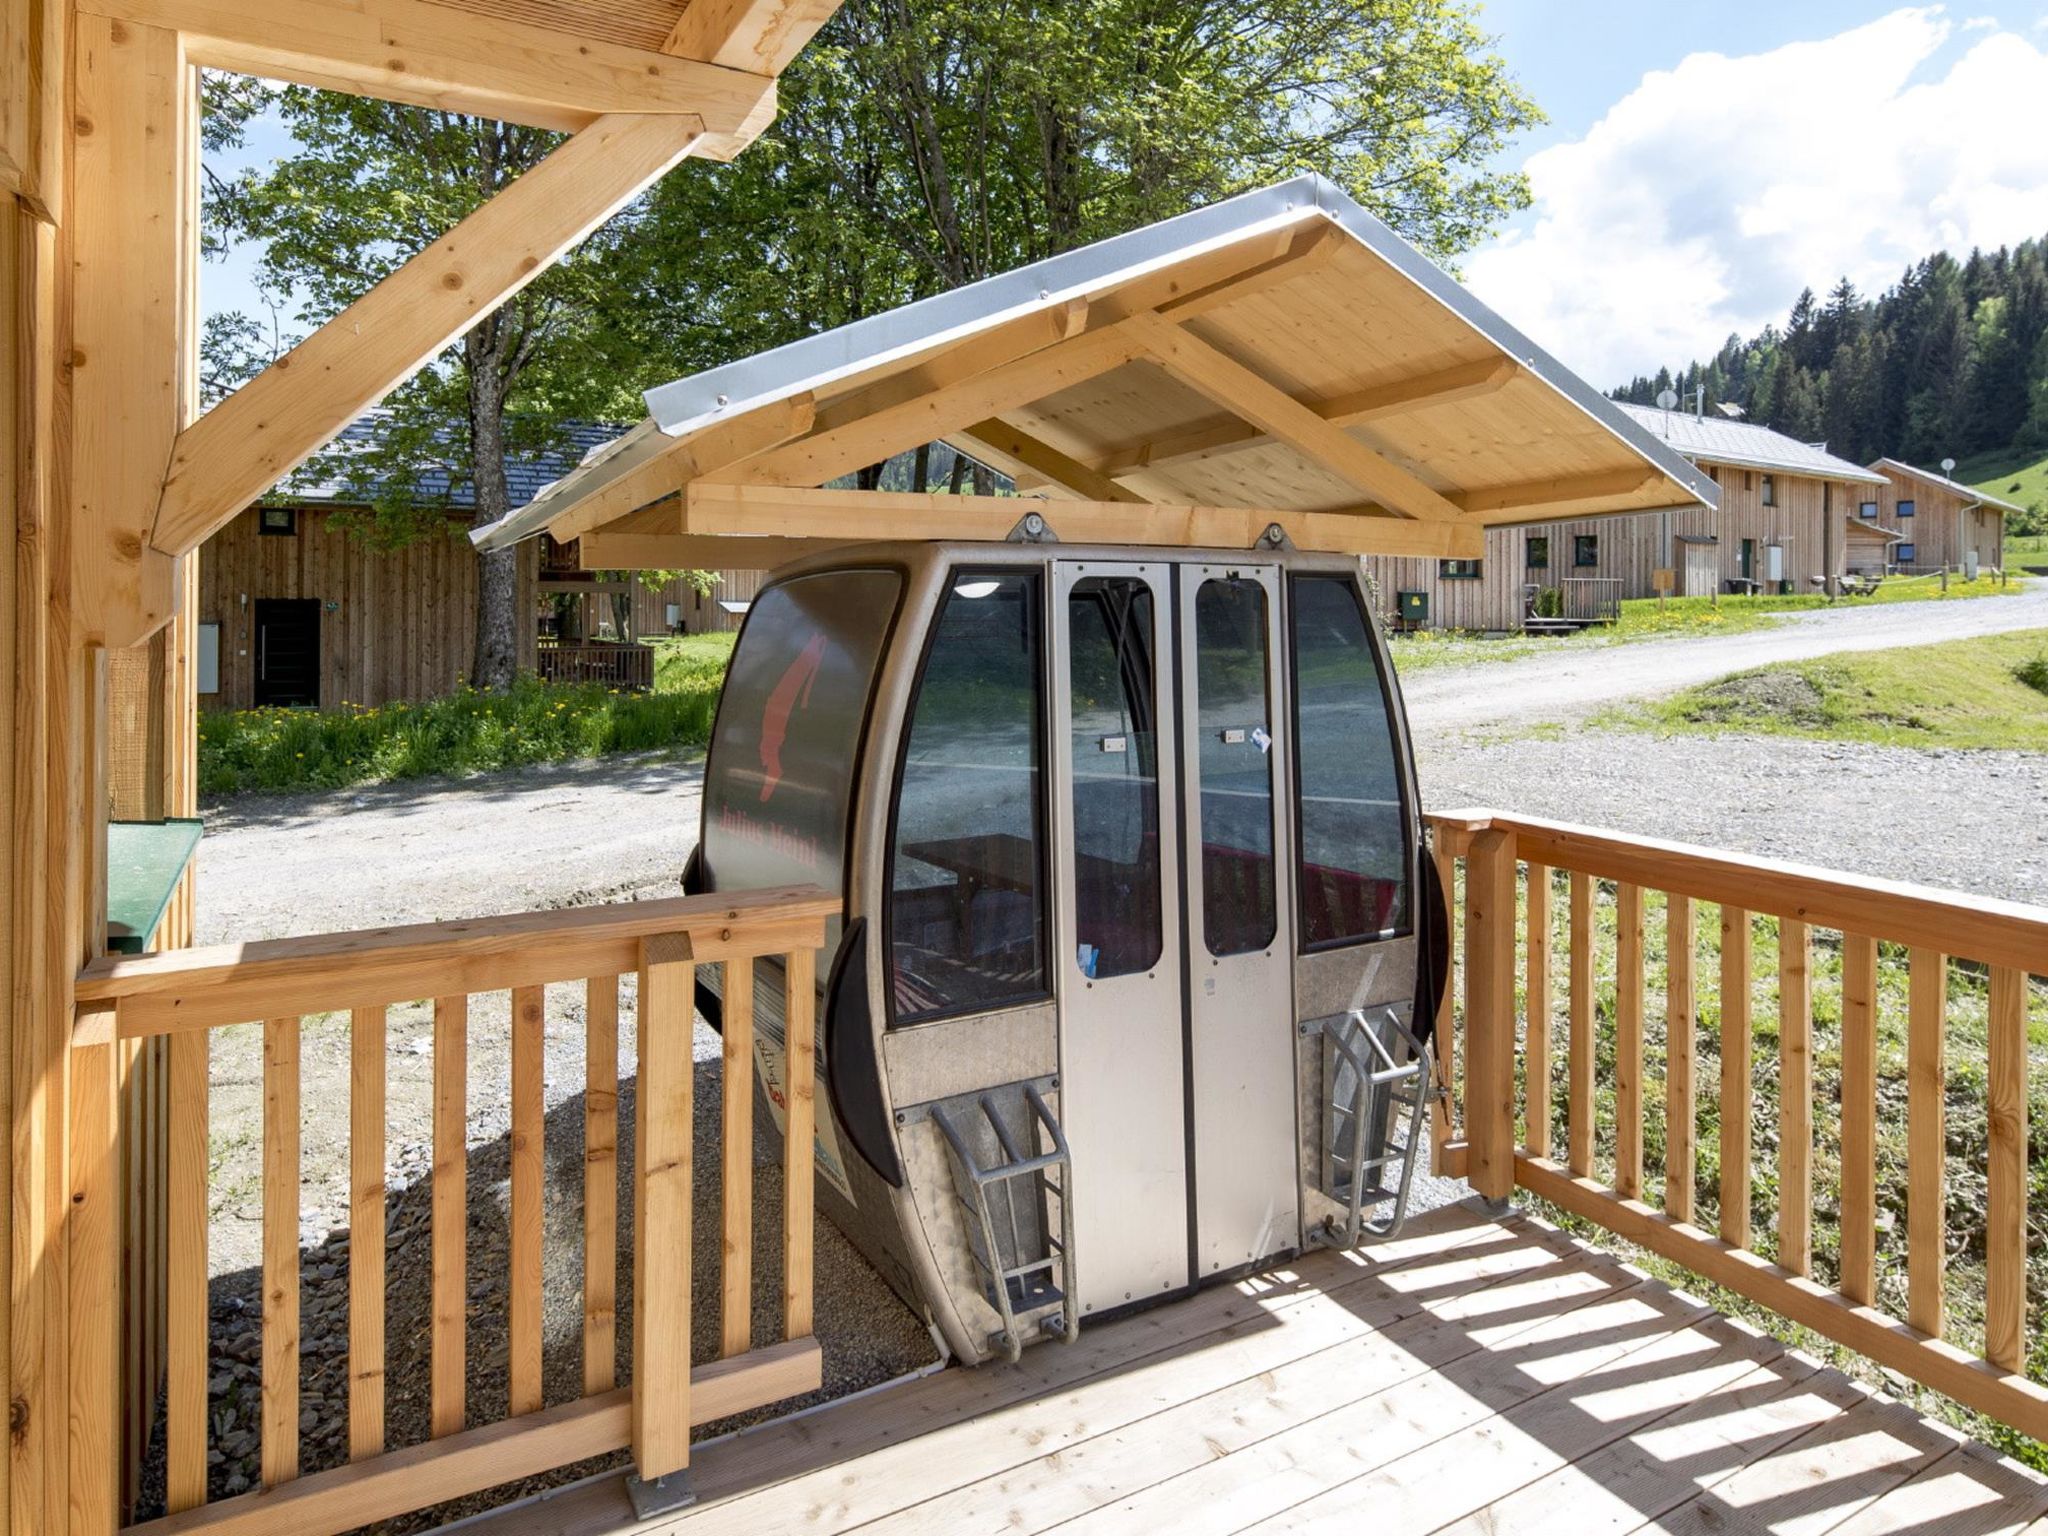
x=1472, y=1377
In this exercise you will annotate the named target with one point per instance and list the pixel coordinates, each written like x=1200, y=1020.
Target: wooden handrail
x=1934, y=927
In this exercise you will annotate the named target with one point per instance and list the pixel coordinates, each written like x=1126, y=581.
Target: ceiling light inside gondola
x=973, y=589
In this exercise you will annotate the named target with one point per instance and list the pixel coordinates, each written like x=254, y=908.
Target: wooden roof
x=1280, y=358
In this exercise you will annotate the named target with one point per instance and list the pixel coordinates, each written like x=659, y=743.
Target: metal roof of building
x=1745, y=445
x=1339, y=312
x=1968, y=492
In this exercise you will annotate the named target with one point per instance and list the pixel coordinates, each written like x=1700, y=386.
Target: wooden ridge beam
x=1012, y=363
x=1531, y=494
x=1445, y=386
x=255, y=437
x=1017, y=453
x=759, y=35
x=457, y=60
x=784, y=512
x=1258, y=400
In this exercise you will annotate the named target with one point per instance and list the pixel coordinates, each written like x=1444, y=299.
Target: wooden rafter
x=1445, y=386
x=255, y=437
x=759, y=35
x=1017, y=453
x=1530, y=495
x=1010, y=364
x=604, y=551
x=798, y=513
x=439, y=56
x=1270, y=408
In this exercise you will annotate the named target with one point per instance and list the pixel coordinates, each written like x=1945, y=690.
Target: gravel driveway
x=575, y=834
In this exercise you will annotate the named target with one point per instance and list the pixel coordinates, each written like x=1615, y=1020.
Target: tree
x=366, y=185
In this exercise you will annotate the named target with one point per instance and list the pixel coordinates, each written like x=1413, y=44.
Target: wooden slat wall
x=402, y=626
x=1941, y=529
x=1632, y=548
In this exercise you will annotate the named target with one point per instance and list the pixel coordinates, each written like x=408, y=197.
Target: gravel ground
x=617, y=830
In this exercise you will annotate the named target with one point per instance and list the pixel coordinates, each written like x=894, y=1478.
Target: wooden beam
x=259, y=434
x=136, y=149
x=1531, y=494
x=796, y=513
x=1016, y=361
x=454, y=59
x=1446, y=386
x=1017, y=451
x=33, y=34
x=655, y=466
x=1258, y=400
x=695, y=552
x=757, y=35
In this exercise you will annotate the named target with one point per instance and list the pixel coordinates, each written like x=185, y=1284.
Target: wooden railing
x=182, y=997
x=1892, y=953
x=621, y=665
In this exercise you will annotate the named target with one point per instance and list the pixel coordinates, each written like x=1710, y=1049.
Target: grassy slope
x=1642, y=619
x=1959, y=693
x=2020, y=477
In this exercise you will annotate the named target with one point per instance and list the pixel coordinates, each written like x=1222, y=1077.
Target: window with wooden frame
x=282, y=522
x=1906, y=509
x=1585, y=549
x=1867, y=510
x=1904, y=554
x=1458, y=570
x=1539, y=552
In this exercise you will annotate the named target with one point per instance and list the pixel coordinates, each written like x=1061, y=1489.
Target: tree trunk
x=496, y=659
x=959, y=472
x=921, y=468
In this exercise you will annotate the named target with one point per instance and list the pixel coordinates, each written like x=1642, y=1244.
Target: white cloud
x=1712, y=193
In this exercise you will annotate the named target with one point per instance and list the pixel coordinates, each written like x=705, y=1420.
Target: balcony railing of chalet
x=185, y=995
x=616, y=665
x=1902, y=953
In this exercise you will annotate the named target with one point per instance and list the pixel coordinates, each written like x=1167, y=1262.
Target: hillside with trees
x=1949, y=362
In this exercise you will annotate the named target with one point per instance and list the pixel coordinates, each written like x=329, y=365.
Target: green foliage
x=1950, y=362
x=683, y=663
x=1990, y=692
x=471, y=732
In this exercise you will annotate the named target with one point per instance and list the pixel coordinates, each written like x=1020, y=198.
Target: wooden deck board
x=1469, y=1378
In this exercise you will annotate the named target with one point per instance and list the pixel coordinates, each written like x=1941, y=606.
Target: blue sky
x=1702, y=163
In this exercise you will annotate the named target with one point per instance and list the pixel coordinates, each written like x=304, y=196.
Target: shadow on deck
x=1471, y=1377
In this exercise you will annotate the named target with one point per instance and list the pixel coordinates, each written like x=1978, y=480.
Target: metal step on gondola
x=1024, y=1267
x=1377, y=1080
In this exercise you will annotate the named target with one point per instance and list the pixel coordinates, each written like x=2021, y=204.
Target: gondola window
x=1116, y=776
x=1354, y=851
x=967, y=881
x=1239, y=912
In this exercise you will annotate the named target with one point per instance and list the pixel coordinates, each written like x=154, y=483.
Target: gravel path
x=619, y=829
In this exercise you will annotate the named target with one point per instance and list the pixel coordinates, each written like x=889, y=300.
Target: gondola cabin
x=1128, y=841
x=1139, y=948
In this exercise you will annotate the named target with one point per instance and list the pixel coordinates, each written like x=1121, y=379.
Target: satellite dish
x=1948, y=466
x=1667, y=399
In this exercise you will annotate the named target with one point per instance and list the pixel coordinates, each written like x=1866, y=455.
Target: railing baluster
x=662, y=1209
x=186, y=1309
x=93, y=1284
x=1859, y=1118
x=2005, y=1241
x=367, y=1043
x=529, y=1128
x=736, y=1163
x=1795, y=1095
x=799, y=1153
x=1926, y=1141
x=1579, y=1100
x=1536, y=1076
x=1678, y=1057
x=1489, y=1014
x=449, y=1370
x=1735, y=1073
x=600, y=1184
x=1628, y=1041
x=279, y=1455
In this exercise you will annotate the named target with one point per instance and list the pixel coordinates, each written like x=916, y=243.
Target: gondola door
x=1241, y=1066
x=1122, y=1086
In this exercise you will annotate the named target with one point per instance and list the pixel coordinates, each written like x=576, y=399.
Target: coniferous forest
x=1950, y=362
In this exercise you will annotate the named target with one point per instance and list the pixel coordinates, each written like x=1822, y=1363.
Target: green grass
x=283, y=750
x=1966, y=1112
x=2028, y=549
x=1642, y=619
x=1986, y=693
x=2020, y=477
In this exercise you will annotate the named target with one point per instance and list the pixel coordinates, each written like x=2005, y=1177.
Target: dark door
x=287, y=650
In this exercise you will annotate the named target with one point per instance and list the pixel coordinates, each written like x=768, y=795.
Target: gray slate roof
x=528, y=474
x=1717, y=440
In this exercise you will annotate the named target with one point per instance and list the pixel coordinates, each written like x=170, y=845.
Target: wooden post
x=280, y=1438
x=1859, y=1118
x=1795, y=1096
x=2005, y=1237
x=1579, y=1099
x=1926, y=1140
x=1490, y=1013
x=661, y=1222
x=529, y=1125
x=1536, y=1069
x=1679, y=1092
x=449, y=1358
x=600, y=1184
x=799, y=1153
x=93, y=1433
x=186, y=1309
x=1735, y=1066
x=367, y=1040
x=736, y=1161
x=1628, y=1041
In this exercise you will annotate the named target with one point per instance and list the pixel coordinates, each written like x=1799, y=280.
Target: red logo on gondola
x=792, y=692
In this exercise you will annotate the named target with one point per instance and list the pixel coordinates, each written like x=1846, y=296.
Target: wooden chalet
x=1273, y=368
x=1935, y=523
x=1778, y=527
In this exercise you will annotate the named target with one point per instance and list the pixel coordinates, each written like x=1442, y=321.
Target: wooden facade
x=1940, y=524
